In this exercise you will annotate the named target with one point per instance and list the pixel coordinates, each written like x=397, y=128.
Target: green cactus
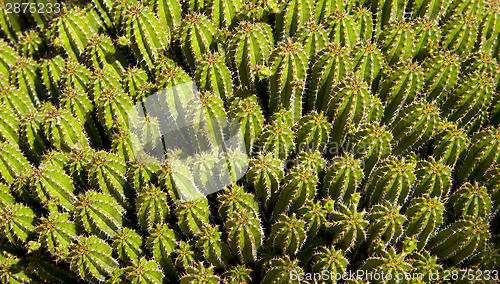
x=99, y=214
x=247, y=111
x=186, y=255
x=414, y=125
x=47, y=270
x=62, y=129
x=13, y=269
x=449, y=143
x=283, y=270
x=347, y=225
x=386, y=224
x=152, y=207
x=392, y=180
x=313, y=37
x=24, y=75
x=459, y=33
x=193, y=215
x=264, y=174
x=101, y=53
x=19, y=102
x=56, y=232
x=128, y=244
x=462, y=239
x=136, y=83
x=401, y=87
x=52, y=183
x=480, y=156
x=432, y=178
x=18, y=224
x=292, y=16
x=471, y=200
x=387, y=12
x=277, y=137
x=92, y=258
x=288, y=234
x=347, y=106
x=427, y=36
x=311, y=132
x=212, y=74
x=200, y=274
x=493, y=185
x=73, y=75
x=244, y=236
x=248, y=49
x=107, y=172
x=144, y=271
x=197, y=36
x=342, y=28
x=140, y=174
x=397, y=41
x=9, y=125
x=236, y=200
x=13, y=163
x=371, y=143
x=213, y=248
x=148, y=36
x=314, y=215
x=298, y=189
x=342, y=178
x=161, y=243
x=330, y=68
x=424, y=216
x=237, y=274
x=331, y=260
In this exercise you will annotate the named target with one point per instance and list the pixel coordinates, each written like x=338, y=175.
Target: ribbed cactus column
x=277, y=137
x=481, y=155
x=391, y=180
x=471, y=200
x=459, y=33
x=461, y=239
x=449, y=143
x=108, y=172
x=212, y=74
x=101, y=52
x=424, y=216
x=112, y=106
x=247, y=110
x=387, y=11
x=346, y=106
x=99, y=214
x=92, y=258
x=148, y=36
x=292, y=16
x=169, y=12
x=140, y=174
x=264, y=174
x=472, y=97
x=330, y=68
x=397, y=41
x=224, y=13
x=371, y=143
x=62, y=129
x=18, y=223
x=144, y=271
x=196, y=34
x=414, y=125
x=128, y=244
x=426, y=8
x=400, y=87
x=237, y=274
x=298, y=189
x=9, y=125
x=386, y=224
x=236, y=199
x=427, y=37
x=52, y=183
x=347, y=224
x=152, y=207
x=288, y=234
x=199, y=273
x=311, y=132
x=75, y=75
x=329, y=259
x=248, y=49
x=193, y=215
x=492, y=183
x=244, y=236
x=288, y=74
x=342, y=178
x=342, y=28
x=313, y=38
x=161, y=243
x=213, y=247
x=24, y=75
x=369, y=61
x=12, y=162
x=433, y=177
x=282, y=270
x=315, y=215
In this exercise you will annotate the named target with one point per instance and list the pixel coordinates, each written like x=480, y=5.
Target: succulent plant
x=365, y=139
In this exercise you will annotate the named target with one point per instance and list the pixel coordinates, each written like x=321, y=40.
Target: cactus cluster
x=370, y=128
